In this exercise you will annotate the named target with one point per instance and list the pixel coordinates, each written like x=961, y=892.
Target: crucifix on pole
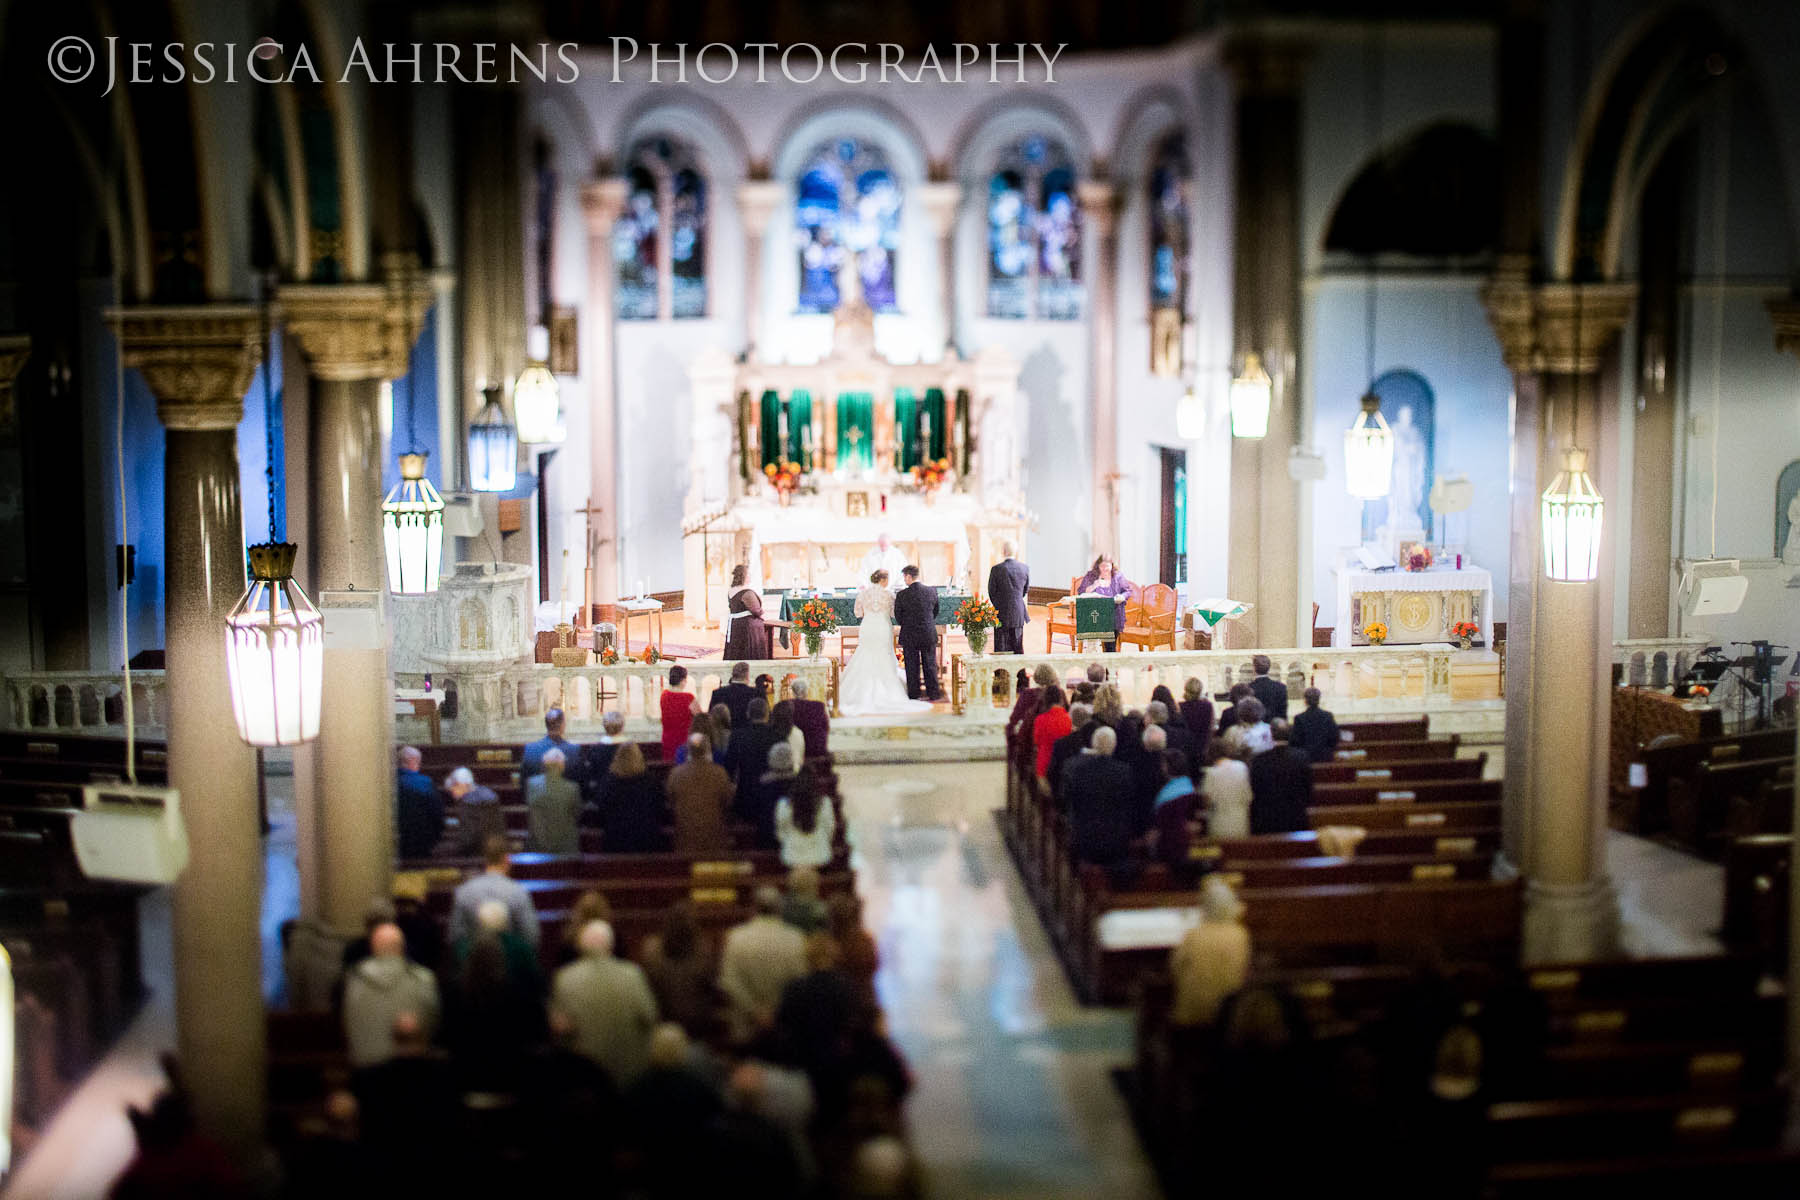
x=590, y=549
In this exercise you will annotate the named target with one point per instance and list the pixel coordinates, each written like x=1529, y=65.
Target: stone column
x=14, y=350
x=198, y=362
x=757, y=201
x=941, y=199
x=353, y=336
x=1555, y=337
x=1099, y=201
x=1263, y=564
x=1784, y=313
x=602, y=201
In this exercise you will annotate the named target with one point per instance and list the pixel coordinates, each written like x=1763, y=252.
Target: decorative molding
x=198, y=360
x=357, y=330
x=940, y=199
x=1100, y=204
x=757, y=200
x=1784, y=314
x=1559, y=328
x=602, y=201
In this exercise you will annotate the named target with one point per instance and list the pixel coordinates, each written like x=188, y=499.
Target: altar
x=1416, y=606
x=800, y=467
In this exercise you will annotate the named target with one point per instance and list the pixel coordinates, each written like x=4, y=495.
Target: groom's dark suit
x=915, y=613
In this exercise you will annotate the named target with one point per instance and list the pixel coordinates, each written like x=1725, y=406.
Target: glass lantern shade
x=1251, y=392
x=412, y=527
x=1572, y=512
x=537, y=405
x=274, y=653
x=1190, y=417
x=493, y=447
x=1369, y=453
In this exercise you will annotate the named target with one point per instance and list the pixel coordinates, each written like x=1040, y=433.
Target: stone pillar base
x=1570, y=922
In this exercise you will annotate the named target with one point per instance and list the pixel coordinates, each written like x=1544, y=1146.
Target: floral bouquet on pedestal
x=1464, y=632
x=785, y=477
x=652, y=656
x=931, y=474
x=609, y=657
x=1376, y=632
x=814, y=620
x=976, y=616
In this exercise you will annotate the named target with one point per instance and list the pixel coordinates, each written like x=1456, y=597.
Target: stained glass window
x=1034, y=234
x=1169, y=225
x=848, y=204
x=661, y=234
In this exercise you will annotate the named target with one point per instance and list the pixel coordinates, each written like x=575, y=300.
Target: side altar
x=798, y=469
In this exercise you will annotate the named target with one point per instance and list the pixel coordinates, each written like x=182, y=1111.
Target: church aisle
x=1015, y=1096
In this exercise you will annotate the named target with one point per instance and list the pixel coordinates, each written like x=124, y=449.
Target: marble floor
x=1015, y=1096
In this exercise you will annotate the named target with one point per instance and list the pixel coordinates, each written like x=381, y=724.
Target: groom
x=915, y=612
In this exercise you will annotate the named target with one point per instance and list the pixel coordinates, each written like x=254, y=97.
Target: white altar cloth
x=1440, y=584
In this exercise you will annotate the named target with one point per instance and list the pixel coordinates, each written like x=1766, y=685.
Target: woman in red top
x=678, y=708
x=1051, y=722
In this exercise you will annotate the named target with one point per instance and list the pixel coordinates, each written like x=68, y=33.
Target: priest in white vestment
x=884, y=557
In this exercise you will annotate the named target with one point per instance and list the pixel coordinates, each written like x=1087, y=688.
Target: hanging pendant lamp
x=1369, y=452
x=493, y=446
x=412, y=528
x=537, y=397
x=1190, y=416
x=1251, y=392
x=275, y=647
x=1572, y=513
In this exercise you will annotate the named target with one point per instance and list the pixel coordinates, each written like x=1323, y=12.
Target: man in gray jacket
x=608, y=1005
x=554, y=809
x=380, y=988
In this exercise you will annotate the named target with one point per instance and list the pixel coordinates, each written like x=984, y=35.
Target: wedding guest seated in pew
x=813, y=720
x=1051, y=722
x=595, y=758
x=384, y=986
x=748, y=756
x=1147, y=776
x=1226, y=788
x=715, y=727
x=532, y=761
x=1081, y=731
x=735, y=695
x=1212, y=960
x=679, y=705
x=1162, y=712
x=757, y=804
x=1102, y=819
x=591, y=905
x=494, y=883
x=477, y=813
x=553, y=809
x=761, y=957
x=1229, y=717
x=700, y=796
x=418, y=808
x=1249, y=734
x=1175, y=806
x=1315, y=731
x=1109, y=710
x=1281, y=790
x=1197, y=715
x=781, y=721
x=609, y=1005
x=631, y=812
x=805, y=824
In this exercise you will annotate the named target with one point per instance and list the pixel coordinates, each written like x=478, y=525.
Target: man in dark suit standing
x=1272, y=692
x=1097, y=798
x=1315, y=731
x=1281, y=789
x=1008, y=581
x=915, y=612
x=736, y=695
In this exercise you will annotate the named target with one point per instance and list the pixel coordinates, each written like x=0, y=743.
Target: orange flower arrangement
x=652, y=656
x=784, y=475
x=1465, y=629
x=931, y=473
x=609, y=657
x=1376, y=632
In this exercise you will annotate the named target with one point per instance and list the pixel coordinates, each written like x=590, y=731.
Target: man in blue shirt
x=418, y=808
x=533, y=763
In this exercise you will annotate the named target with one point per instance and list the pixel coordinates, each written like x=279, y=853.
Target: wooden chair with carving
x=1150, y=618
x=1060, y=618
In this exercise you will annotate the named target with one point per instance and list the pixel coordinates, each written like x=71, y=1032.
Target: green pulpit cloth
x=856, y=431
x=1095, y=617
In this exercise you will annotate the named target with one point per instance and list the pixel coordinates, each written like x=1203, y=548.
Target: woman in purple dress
x=1105, y=579
x=747, y=637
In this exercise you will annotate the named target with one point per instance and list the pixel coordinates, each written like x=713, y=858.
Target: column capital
x=757, y=201
x=1562, y=328
x=602, y=200
x=940, y=199
x=198, y=360
x=1784, y=314
x=356, y=330
x=1100, y=203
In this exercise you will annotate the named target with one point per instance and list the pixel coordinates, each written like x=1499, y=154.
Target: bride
x=872, y=683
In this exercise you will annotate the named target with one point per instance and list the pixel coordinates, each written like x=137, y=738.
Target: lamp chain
x=268, y=370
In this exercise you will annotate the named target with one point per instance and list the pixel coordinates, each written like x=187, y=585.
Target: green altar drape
x=855, y=431
x=907, y=408
x=799, y=436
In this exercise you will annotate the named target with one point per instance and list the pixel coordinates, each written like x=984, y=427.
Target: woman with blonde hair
x=1108, y=709
x=631, y=805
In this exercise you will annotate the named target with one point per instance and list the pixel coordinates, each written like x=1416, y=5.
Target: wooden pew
x=1701, y=803
x=152, y=756
x=1408, y=730
x=1446, y=817
x=1305, y=844
x=1756, y=896
x=1422, y=791
x=1677, y=760
x=1379, y=753
x=1401, y=770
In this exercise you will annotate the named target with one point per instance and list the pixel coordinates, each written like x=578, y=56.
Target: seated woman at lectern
x=1105, y=579
x=746, y=637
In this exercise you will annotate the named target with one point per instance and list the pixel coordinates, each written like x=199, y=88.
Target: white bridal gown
x=873, y=684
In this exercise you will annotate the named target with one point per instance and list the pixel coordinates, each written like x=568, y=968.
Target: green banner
x=856, y=431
